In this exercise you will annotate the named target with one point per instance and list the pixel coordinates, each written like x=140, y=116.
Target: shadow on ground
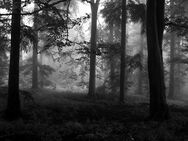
x=65, y=116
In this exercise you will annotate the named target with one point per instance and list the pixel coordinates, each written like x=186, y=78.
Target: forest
x=93, y=70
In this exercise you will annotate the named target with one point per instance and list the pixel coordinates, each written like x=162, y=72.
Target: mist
x=93, y=70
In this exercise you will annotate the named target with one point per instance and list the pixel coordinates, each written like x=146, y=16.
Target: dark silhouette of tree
x=13, y=110
x=155, y=27
x=94, y=10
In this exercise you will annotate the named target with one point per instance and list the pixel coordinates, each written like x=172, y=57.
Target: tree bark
x=94, y=9
x=35, y=55
x=155, y=27
x=123, y=52
x=13, y=110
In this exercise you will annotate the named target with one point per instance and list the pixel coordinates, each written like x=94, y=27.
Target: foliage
x=77, y=118
x=107, y=51
x=4, y=48
x=176, y=18
x=112, y=11
x=44, y=72
x=137, y=11
x=3, y=66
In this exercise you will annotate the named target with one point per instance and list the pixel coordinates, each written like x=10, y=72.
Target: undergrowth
x=79, y=119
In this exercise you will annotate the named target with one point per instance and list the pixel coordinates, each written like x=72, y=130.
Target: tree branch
x=177, y=25
x=31, y=13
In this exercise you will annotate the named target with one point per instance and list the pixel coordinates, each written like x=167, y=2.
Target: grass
x=67, y=116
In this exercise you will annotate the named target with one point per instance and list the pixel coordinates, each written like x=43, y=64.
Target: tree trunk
x=94, y=9
x=172, y=55
x=123, y=52
x=178, y=76
x=112, y=67
x=35, y=55
x=140, y=73
x=13, y=110
x=172, y=66
x=41, y=75
x=155, y=27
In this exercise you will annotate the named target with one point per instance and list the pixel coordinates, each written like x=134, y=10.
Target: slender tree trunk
x=172, y=55
x=172, y=66
x=178, y=70
x=35, y=55
x=13, y=110
x=123, y=52
x=41, y=75
x=94, y=9
x=155, y=27
x=112, y=67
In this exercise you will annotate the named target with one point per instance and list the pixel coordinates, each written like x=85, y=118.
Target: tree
x=94, y=8
x=155, y=27
x=4, y=47
x=123, y=52
x=3, y=65
x=172, y=66
x=137, y=14
x=35, y=53
x=13, y=110
x=51, y=22
x=41, y=74
x=112, y=15
x=112, y=62
x=175, y=9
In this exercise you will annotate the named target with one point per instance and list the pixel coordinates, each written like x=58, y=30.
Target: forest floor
x=65, y=116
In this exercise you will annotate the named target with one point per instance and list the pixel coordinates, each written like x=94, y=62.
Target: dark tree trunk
x=172, y=66
x=35, y=55
x=155, y=27
x=123, y=52
x=13, y=110
x=94, y=9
